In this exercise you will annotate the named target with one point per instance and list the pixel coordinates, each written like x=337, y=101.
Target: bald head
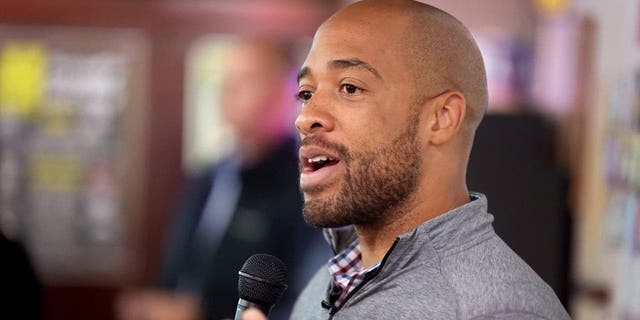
x=438, y=50
x=394, y=90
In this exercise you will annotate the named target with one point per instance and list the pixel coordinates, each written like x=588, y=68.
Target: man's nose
x=314, y=117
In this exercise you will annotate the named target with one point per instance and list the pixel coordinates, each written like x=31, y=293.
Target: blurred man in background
x=247, y=203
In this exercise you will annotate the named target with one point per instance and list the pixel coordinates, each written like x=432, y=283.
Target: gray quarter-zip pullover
x=451, y=267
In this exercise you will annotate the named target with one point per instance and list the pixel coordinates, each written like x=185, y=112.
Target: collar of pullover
x=447, y=233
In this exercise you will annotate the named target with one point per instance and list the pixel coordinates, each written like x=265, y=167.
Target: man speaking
x=392, y=93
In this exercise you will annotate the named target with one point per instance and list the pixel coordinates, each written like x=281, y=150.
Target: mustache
x=340, y=149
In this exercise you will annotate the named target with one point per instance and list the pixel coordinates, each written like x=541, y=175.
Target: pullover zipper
x=367, y=278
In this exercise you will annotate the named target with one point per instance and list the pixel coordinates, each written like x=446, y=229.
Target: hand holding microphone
x=253, y=314
x=261, y=283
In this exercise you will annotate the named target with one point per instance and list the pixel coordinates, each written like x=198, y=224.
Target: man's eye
x=304, y=95
x=349, y=88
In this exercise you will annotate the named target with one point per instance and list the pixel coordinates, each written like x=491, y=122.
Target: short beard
x=375, y=185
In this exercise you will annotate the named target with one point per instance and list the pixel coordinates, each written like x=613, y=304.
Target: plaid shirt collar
x=346, y=270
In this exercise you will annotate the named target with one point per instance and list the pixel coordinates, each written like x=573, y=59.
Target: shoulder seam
x=444, y=275
x=474, y=242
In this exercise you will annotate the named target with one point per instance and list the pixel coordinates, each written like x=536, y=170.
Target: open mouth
x=318, y=162
x=319, y=168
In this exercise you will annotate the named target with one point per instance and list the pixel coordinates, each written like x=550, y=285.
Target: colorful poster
x=22, y=77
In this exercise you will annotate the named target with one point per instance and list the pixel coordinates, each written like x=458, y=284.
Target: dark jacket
x=267, y=219
x=22, y=292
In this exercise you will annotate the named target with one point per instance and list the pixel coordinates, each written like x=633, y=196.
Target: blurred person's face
x=253, y=92
x=358, y=126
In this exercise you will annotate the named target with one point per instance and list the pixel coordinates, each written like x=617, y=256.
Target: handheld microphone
x=261, y=283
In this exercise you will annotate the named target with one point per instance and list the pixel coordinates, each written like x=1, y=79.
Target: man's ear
x=447, y=117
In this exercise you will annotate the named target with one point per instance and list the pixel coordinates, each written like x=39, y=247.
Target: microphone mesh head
x=268, y=279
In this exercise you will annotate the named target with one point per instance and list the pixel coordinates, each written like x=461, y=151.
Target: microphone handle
x=246, y=304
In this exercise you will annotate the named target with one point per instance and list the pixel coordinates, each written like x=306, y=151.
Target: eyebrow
x=343, y=64
x=351, y=63
x=305, y=71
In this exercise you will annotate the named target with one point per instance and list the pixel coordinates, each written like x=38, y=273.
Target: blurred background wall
x=107, y=106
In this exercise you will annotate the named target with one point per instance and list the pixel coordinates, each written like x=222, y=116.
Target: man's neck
x=376, y=239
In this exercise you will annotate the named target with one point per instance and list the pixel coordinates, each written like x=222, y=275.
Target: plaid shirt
x=346, y=270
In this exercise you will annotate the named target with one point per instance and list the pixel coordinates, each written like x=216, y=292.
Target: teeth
x=319, y=159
